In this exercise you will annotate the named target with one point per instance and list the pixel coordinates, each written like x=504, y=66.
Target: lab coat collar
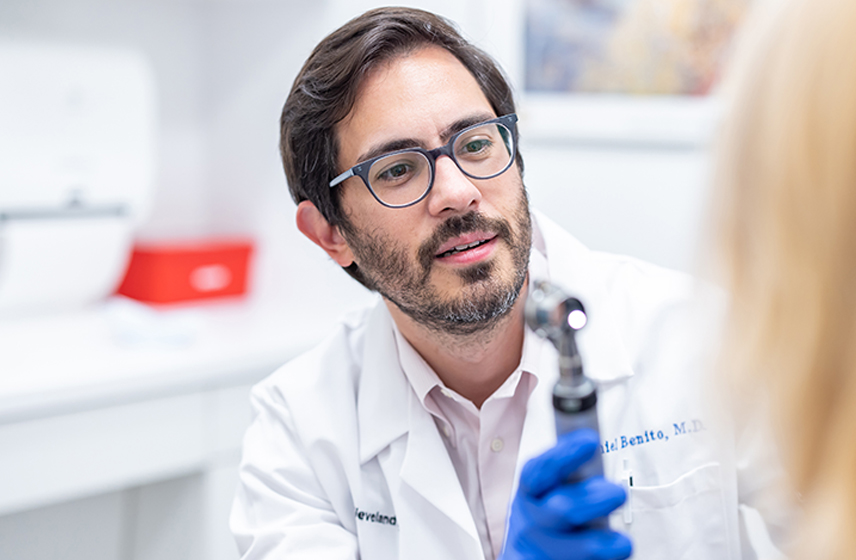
x=575, y=269
x=383, y=403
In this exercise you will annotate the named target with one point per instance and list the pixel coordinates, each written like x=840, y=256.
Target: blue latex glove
x=548, y=515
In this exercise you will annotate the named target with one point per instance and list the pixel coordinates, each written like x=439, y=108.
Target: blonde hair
x=786, y=215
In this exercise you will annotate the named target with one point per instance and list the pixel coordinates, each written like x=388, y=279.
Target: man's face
x=456, y=261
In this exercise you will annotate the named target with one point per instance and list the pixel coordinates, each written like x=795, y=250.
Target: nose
x=452, y=192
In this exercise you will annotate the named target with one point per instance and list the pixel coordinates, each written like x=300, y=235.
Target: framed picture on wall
x=625, y=71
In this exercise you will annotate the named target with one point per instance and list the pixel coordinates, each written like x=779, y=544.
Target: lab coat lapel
x=395, y=427
x=573, y=268
x=437, y=499
x=604, y=355
x=382, y=402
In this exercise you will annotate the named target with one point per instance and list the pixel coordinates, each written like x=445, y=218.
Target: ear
x=315, y=226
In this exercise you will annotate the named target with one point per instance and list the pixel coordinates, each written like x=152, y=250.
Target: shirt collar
x=420, y=375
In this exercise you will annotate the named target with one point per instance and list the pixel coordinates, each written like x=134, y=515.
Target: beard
x=488, y=291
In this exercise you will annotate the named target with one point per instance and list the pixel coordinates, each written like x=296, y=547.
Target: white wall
x=635, y=200
x=170, y=35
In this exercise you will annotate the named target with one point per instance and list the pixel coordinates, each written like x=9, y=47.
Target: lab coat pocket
x=682, y=520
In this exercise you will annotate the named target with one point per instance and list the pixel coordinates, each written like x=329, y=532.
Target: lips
x=463, y=243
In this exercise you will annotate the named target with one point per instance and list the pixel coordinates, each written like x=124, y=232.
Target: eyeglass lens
x=480, y=152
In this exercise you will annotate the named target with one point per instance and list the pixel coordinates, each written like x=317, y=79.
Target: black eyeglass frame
x=362, y=169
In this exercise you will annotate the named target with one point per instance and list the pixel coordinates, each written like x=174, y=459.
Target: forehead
x=416, y=96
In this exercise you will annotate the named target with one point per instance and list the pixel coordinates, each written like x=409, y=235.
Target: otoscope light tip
x=577, y=319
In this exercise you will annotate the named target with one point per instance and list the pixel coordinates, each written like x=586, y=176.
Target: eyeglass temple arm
x=347, y=174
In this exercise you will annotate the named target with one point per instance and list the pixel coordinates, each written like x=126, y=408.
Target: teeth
x=465, y=247
x=460, y=248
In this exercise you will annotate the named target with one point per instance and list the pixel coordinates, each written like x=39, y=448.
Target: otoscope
x=554, y=315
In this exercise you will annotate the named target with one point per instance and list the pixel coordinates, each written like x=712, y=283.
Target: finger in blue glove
x=549, y=516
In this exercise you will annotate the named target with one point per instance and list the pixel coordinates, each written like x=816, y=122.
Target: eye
x=476, y=146
x=395, y=170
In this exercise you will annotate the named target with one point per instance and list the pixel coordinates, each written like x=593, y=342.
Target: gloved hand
x=548, y=515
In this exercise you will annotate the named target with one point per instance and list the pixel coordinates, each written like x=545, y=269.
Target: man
x=405, y=433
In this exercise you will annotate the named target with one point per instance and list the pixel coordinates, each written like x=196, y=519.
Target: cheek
x=397, y=225
x=358, y=205
x=507, y=196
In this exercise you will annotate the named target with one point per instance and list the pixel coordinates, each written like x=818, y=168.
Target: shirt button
x=447, y=431
x=446, y=393
x=496, y=445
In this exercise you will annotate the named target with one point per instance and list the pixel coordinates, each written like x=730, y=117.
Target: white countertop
x=122, y=351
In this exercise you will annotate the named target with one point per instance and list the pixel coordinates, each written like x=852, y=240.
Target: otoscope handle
x=568, y=423
x=575, y=407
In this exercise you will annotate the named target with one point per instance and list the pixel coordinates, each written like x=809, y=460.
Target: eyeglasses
x=404, y=177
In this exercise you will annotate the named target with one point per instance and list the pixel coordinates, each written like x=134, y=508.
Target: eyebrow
x=445, y=135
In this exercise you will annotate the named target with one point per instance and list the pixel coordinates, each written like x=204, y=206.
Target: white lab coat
x=344, y=462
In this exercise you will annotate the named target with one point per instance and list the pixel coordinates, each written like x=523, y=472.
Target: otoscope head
x=551, y=313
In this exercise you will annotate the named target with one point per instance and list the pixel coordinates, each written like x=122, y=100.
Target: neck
x=473, y=365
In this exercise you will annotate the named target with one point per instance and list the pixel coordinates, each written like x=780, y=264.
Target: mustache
x=459, y=225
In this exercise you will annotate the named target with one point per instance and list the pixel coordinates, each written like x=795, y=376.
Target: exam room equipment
x=77, y=164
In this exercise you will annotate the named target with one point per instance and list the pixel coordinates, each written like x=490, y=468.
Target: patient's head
x=787, y=229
